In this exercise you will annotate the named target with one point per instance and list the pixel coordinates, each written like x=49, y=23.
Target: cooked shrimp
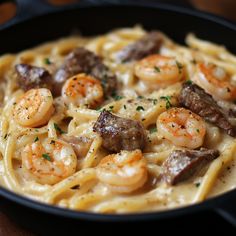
x=159, y=71
x=216, y=81
x=123, y=172
x=83, y=89
x=48, y=162
x=182, y=127
x=34, y=108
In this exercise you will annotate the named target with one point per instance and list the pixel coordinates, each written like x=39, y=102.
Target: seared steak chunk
x=120, y=133
x=147, y=45
x=228, y=108
x=197, y=100
x=182, y=164
x=81, y=60
x=33, y=77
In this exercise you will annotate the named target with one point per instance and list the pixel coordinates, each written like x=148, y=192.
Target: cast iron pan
x=38, y=22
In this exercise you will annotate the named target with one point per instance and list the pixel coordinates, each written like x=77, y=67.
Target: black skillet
x=39, y=22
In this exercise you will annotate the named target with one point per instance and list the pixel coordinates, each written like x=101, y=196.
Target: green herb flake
x=104, y=79
x=57, y=128
x=125, y=107
x=180, y=66
x=36, y=139
x=117, y=97
x=47, y=61
x=157, y=69
x=111, y=108
x=167, y=99
x=139, y=108
x=101, y=109
x=153, y=130
x=198, y=130
x=189, y=82
x=140, y=97
x=154, y=101
x=5, y=137
x=197, y=185
x=46, y=157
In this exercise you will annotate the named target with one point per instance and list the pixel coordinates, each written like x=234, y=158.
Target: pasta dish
x=129, y=121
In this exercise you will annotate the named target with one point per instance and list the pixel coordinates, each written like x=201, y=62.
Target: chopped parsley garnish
x=104, y=81
x=57, y=128
x=157, y=69
x=46, y=157
x=153, y=130
x=180, y=66
x=36, y=139
x=167, y=99
x=197, y=185
x=111, y=108
x=125, y=107
x=154, y=101
x=101, y=109
x=140, y=97
x=117, y=97
x=198, y=130
x=139, y=108
x=47, y=61
x=189, y=82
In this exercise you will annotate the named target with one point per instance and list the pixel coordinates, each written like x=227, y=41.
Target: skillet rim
x=213, y=203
